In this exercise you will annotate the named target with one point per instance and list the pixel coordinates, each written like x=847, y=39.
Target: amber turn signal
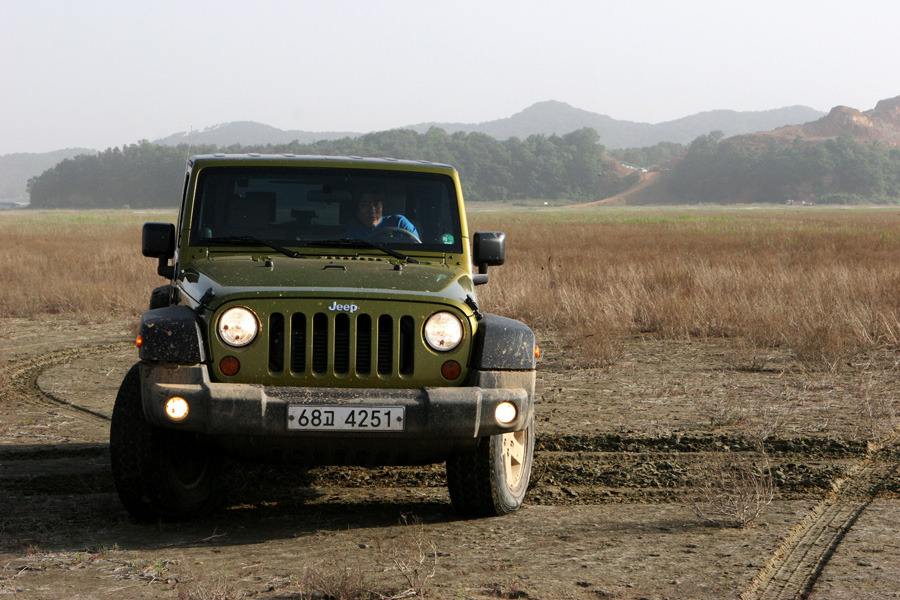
x=139, y=341
x=229, y=366
x=451, y=370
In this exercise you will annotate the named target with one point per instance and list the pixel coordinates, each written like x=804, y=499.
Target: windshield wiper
x=245, y=240
x=357, y=243
x=249, y=240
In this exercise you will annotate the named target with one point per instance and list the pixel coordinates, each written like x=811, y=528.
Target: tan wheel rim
x=514, y=456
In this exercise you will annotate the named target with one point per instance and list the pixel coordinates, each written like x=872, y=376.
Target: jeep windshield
x=301, y=207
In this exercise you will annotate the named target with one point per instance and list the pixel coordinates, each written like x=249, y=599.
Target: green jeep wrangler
x=322, y=311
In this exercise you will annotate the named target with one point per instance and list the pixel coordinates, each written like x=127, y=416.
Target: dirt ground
x=624, y=455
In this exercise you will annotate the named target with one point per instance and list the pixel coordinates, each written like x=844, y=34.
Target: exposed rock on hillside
x=881, y=124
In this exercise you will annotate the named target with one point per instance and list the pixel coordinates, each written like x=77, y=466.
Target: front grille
x=342, y=344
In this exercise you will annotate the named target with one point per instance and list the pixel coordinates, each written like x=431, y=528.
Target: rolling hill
x=17, y=169
x=878, y=125
x=553, y=117
x=248, y=133
x=547, y=118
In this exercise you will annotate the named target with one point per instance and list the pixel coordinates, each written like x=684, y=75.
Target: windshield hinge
x=470, y=302
x=205, y=301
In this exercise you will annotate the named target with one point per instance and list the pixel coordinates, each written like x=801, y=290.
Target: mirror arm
x=164, y=269
x=481, y=277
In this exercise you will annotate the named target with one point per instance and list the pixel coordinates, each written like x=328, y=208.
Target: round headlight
x=443, y=331
x=238, y=327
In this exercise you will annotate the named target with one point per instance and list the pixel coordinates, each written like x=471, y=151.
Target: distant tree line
x=567, y=167
x=141, y=175
x=146, y=175
x=839, y=170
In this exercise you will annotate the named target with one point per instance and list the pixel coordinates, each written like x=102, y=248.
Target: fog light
x=177, y=408
x=229, y=366
x=505, y=413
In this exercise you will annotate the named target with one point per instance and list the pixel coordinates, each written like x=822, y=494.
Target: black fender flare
x=172, y=334
x=159, y=297
x=503, y=344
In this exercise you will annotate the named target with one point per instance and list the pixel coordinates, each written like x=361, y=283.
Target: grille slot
x=298, y=343
x=385, y=344
x=364, y=344
x=320, y=343
x=345, y=344
x=407, y=352
x=276, y=343
x=342, y=344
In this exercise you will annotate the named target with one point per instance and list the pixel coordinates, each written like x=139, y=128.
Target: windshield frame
x=409, y=188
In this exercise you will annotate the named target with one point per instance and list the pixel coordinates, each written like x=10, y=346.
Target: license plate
x=346, y=418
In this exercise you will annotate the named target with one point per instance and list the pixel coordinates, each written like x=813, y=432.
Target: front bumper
x=440, y=414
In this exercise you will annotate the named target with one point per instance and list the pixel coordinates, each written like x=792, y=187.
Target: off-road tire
x=492, y=481
x=160, y=474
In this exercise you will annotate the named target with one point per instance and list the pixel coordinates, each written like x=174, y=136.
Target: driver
x=370, y=217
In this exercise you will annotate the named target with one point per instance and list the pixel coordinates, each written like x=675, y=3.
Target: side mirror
x=488, y=249
x=158, y=240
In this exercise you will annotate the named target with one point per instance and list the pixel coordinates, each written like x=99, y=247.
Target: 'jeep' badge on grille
x=350, y=308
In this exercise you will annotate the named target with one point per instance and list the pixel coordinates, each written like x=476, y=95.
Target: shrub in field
x=735, y=489
x=219, y=588
x=413, y=554
x=335, y=582
x=876, y=415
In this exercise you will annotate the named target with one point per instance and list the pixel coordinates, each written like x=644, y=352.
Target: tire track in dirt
x=24, y=373
x=796, y=565
x=560, y=478
x=569, y=469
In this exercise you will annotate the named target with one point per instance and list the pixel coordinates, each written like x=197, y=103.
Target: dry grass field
x=703, y=367
x=824, y=284
x=86, y=264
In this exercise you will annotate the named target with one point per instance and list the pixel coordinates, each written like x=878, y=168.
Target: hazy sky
x=98, y=74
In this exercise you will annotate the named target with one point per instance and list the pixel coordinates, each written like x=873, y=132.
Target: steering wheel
x=393, y=234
